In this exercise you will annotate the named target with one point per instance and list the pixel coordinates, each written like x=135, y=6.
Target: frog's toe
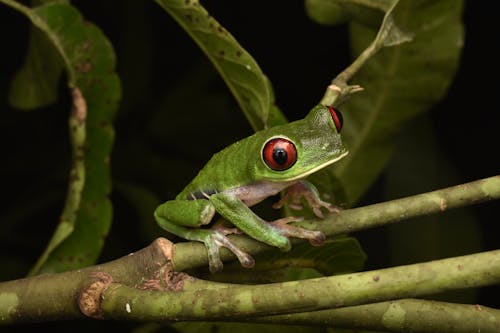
x=214, y=262
x=218, y=239
x=316, y=238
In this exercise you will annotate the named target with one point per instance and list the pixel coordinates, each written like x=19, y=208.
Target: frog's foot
x=213, y=241
x=307, y=191
x=316, y=238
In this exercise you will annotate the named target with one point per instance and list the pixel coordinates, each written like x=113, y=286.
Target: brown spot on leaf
x=84, y=66
x=221, y=29
x=96, y=81
x=238, y=54
x=376, y=278
x=86, y=46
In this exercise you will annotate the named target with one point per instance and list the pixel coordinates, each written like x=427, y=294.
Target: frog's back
x=229, y=168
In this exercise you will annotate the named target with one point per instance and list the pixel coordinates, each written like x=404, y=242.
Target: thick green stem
x=49, y=297
x=406, y=315
x=127, y=303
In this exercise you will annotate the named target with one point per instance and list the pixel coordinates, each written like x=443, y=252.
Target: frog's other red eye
x=279, y=154
x=336, y=117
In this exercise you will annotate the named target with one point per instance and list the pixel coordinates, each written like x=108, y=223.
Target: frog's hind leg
x=181, y=217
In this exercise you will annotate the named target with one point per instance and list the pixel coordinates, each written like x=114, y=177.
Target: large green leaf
x=89, y=61
x=455, y=232
x=400, y=82
x=239, y=70
x=35, y=84
x=335, y=256
x=333, y=12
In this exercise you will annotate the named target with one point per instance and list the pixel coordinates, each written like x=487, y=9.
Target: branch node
x=90, y=297
x=166, y=247
x=165, y=278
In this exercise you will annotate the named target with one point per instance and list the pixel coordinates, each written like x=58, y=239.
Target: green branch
x=122, y=289
x=193, y=254
x=49, y=297
x=406, y=315
x=224, y=301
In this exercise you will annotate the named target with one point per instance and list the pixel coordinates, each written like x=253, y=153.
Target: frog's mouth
x=316, y=168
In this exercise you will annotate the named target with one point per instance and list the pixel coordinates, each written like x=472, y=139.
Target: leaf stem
x=389, y=34
x=76, y=183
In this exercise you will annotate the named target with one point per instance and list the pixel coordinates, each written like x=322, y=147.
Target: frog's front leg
x=273, y=233
x=182, y=217
x=306, y=190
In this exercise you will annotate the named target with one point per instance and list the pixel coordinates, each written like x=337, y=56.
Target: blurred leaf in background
x=400, y=82
x=89, y=61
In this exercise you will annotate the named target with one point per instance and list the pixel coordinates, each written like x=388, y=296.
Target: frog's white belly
x=255, y=193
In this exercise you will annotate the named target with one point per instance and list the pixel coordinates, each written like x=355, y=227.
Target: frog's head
x=296, y=150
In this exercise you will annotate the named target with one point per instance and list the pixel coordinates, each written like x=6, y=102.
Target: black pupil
x=280, y=156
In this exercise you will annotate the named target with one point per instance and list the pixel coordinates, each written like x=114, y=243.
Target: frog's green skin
x=237, y=177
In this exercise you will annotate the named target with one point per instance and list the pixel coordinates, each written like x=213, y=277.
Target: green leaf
x=35, y=84
x=455, y=232
x=89, y=61
x=333, y=12
x=400, y=82
x=239, y=70
x=335, y=256
x=326, y=12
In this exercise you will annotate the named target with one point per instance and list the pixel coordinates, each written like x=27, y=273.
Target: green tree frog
x=250, y=170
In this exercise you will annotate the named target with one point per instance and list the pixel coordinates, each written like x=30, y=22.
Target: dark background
x=158, y=64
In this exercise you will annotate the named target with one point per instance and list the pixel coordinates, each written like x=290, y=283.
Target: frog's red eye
x=336, y=117
x=279, y=154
